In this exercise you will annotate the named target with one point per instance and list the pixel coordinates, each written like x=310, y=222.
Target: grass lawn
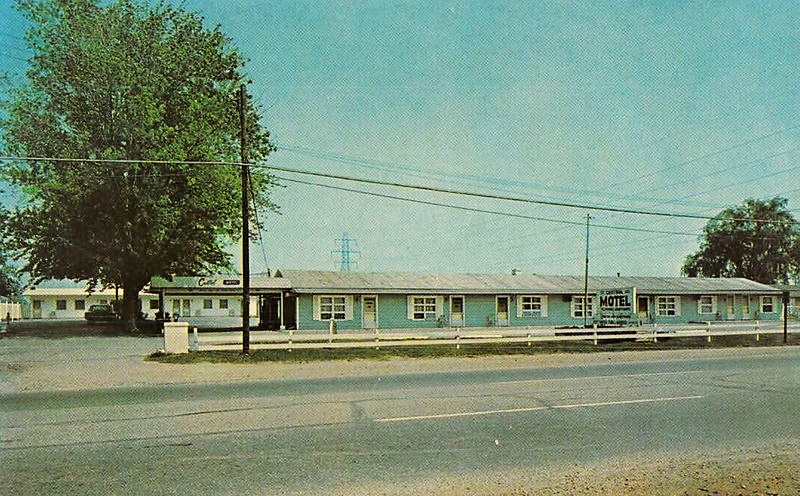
x=467, y=350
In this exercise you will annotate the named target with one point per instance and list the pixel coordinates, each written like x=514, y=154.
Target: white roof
x=68, y=292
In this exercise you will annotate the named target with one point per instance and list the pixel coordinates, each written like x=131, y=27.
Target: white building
x=63, y=303
x=72, y=302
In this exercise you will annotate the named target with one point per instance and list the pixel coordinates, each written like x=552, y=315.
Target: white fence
x=291, y=340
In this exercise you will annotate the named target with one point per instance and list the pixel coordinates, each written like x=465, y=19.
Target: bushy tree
x=126, y=79
x=9, y=279
x=736, y=244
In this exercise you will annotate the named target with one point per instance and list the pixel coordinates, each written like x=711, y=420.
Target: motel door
x=370, y=315
x=37, y=309
x=457, y=311
x=502, y=311
x=643, y=308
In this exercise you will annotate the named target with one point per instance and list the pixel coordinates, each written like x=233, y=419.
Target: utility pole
x=245, y=222
x=586, y=278
x=345, y=251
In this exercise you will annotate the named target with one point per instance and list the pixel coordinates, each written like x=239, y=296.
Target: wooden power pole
x=245, y=222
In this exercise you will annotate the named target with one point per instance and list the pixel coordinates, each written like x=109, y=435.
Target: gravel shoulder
x=763, y=471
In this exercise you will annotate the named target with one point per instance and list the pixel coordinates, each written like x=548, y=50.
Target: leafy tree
x=128, y=80
x=9, y=282
x=734, y=244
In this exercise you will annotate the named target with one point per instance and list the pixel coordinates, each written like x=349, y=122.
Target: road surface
x=390, y=434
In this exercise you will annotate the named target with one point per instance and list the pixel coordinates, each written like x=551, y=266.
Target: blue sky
x=674, y=106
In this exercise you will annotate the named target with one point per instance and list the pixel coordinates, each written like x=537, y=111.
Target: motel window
x=424, y=307
x=208, y=304
x=767, y=304
x=61, y=304
x=707, y=305
x=223, y=303
x=80, y=304
x=578, y=306
x=153, y=304
x=334, y=307
x=668, y=306
x=531, y=306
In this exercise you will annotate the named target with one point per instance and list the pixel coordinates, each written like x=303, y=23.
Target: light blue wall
x=479, y=311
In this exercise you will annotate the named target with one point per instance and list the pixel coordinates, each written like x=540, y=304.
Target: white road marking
x=536, y=408
x=522, y=381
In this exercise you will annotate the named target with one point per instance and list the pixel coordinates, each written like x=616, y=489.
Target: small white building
x=72, y=302
x=64, y=303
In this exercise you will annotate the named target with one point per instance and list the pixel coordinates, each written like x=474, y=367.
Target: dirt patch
x=771, y=471
x=764, y=472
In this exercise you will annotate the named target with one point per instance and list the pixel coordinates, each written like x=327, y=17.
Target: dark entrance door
x=290, y=311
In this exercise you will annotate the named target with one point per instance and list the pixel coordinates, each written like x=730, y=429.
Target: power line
x=483, y=211
x=383, y=183
x=258, y=223
x=392, y=167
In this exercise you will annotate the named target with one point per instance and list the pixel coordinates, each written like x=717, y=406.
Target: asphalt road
x=385, y=434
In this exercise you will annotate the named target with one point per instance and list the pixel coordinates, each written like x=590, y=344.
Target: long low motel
x=308, y=300
x=72, y=302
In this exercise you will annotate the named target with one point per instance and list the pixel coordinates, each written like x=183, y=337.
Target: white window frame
x=426, y=309
x=61, y=303
x=535, y=304
x=82, y=304
x=332, y=307
x=666, y=304
x=708, y=307
x=771, y=304
x=577, y=301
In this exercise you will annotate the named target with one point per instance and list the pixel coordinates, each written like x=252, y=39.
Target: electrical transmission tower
x=346, y=252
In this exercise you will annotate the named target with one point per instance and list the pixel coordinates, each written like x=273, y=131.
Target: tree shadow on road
x=49, y=329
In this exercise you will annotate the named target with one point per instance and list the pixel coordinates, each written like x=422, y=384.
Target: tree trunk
x=130, y=307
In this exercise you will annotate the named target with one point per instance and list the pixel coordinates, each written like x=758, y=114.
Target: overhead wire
x=383, y=183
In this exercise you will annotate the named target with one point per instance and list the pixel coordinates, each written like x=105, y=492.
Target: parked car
x=100, y=313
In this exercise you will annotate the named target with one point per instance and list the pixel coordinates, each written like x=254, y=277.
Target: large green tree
x=128, y=80
x=759, y=240
x=9, y=280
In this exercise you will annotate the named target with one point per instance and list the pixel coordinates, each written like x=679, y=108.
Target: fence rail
x=291, y=340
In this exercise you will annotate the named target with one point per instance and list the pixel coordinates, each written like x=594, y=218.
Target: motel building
x=72, y=302
x=310, y=300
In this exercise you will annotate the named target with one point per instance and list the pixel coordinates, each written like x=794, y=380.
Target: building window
x=577, y=307
x=531, y=306
x=667, y=306
x=332, y=307
x=208, y=304
x=61, y=304
x=767, y=304
x=104, y=302
x=223, y=304
x=424, y=307
x=80, y=304
x=707, y=305
x=153, y=304
x=746, y=306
